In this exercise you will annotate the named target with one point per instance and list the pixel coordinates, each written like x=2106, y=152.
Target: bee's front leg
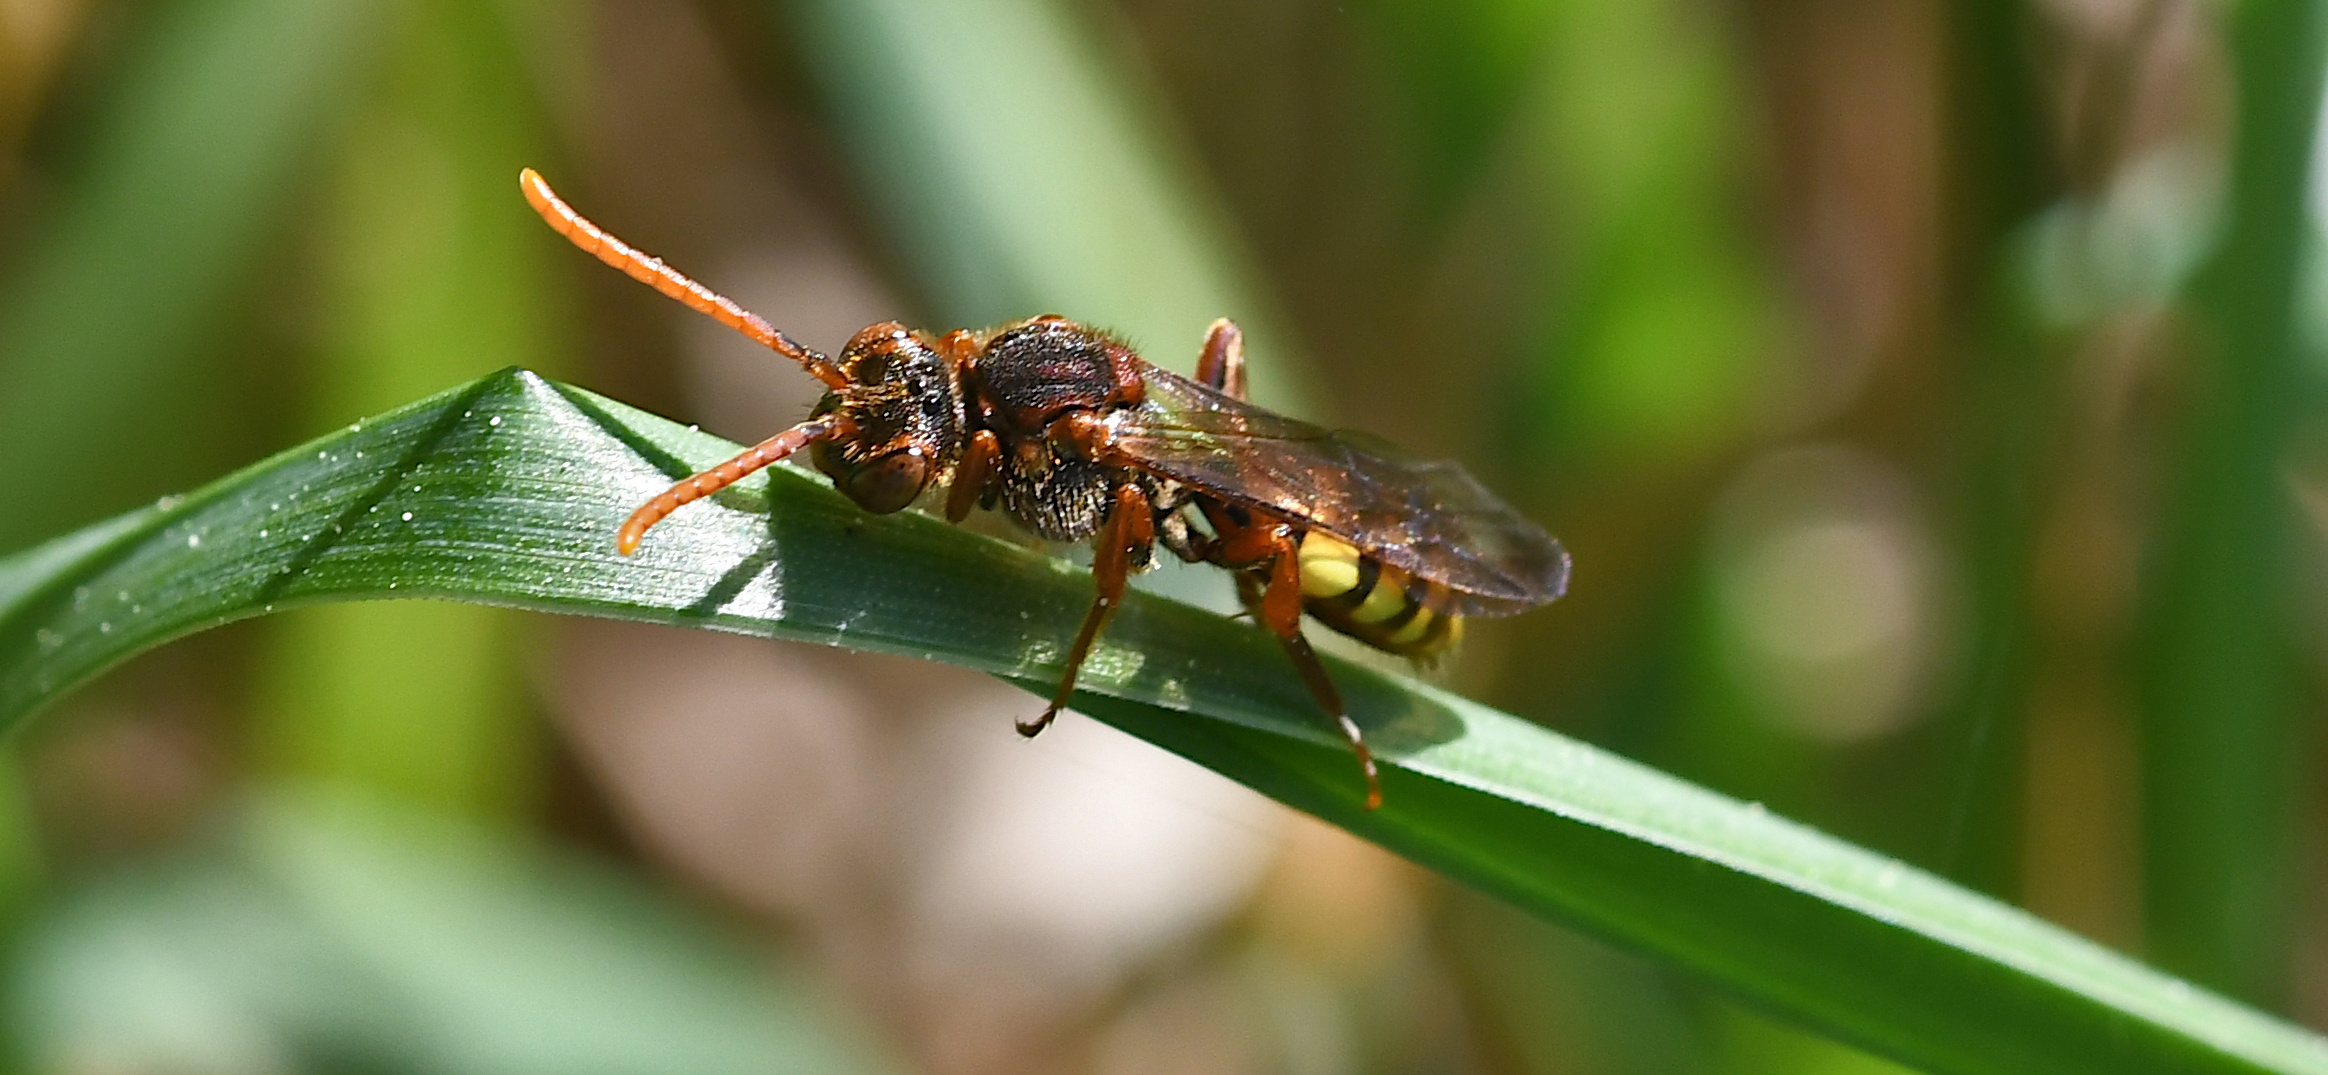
x=1125, y=539
x=973, y=474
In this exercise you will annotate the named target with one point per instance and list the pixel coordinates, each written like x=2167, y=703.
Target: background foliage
x=1929, y=393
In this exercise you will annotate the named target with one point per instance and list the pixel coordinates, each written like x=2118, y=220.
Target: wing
x=1430, y=519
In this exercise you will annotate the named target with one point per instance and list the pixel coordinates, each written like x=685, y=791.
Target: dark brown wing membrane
x=1430, y=519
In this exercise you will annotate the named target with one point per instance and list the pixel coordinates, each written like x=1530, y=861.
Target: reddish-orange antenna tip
x=634, y=529
x=532, y=183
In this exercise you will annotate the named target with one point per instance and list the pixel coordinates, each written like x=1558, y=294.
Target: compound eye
x=889, y=483
x=872, y=368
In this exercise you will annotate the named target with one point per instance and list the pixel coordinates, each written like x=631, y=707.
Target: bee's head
x=906, y=401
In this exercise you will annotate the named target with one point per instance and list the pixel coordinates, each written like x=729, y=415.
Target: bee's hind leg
x=1273, y=594
x=1221, y=365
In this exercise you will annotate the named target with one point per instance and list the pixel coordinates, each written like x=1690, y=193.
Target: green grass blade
x=2227, y=761
x=186, y=173
x=1037, y=183
x=507, y=491
x=319, y=930
x=428, y=279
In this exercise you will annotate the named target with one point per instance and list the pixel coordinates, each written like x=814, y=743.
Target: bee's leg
x=972, y=474
x=1222, y=363
x=959, y=346
x=1125, y=539
x=1273, y=594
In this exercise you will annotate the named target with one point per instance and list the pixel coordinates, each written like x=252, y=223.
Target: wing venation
x=1429, y=518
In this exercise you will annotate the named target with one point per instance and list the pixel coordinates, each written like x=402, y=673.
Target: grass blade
x=506, y=491
x=320, y=930
x=2224, y=727
x=429, y=278
x=1038, y=184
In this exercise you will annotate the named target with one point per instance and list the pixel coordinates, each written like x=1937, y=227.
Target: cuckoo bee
x=1078, y=439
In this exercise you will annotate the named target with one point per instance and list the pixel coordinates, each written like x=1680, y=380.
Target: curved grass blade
x=506, y=491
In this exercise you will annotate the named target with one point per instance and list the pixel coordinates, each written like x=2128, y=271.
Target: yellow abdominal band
x=1379, y=605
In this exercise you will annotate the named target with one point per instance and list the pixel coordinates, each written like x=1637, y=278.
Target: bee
x=1078, y=439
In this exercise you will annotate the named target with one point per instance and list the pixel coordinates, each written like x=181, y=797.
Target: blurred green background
x=1929, y=393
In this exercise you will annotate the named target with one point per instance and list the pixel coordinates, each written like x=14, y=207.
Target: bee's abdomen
x=1373, y=602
